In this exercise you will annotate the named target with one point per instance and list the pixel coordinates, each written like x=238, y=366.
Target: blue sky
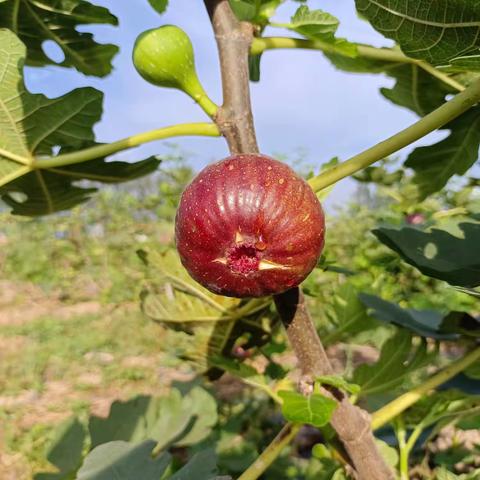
x=302, y=104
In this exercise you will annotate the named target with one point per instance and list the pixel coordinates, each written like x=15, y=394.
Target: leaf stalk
x=186, y=129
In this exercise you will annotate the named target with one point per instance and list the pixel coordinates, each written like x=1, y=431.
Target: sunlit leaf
x=255, y=11
x=57, y=21
x=314, y=409
x=348, y=315
x=212, y=323
x=442, y=33
x=320, y=25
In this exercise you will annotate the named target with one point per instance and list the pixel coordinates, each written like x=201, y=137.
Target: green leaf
x=358, y=64
x=52, y=190
x=172, y=419
x=123, y=461
x=202, y=407
x=398, y=359
x=210, y=323
x=313, y=23
x=415, y=89
x=244, y=9
x=38, y=21
x=426, y=323
x=314, y=409
x=437, y=253
x=461, y=323
x=321, y=26
x=389, y=454
x=178, y=298
x=441, y=33
x=348, y=315
x=65, y=450
x=255, y=11
x=338, y=382
x=34, y=124
x=442, y=408
x=202, y=466
x=159, y=5
x=435, y=164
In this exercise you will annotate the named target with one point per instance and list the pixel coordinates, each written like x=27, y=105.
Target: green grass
x=53, y=352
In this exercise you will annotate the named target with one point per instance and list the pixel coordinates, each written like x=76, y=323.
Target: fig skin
x=249, y=226
x=164, y=57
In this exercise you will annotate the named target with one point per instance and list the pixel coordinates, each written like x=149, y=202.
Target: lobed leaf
x=32, y=126
x=57, y=21
x=210, y=324
x=445, y=32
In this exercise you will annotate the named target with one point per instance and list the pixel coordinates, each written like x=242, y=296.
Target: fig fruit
x=249, y=226
x=164, y=57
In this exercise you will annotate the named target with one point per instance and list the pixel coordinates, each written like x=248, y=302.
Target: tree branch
x=235, y=121
x=234, y=117
x=350, y=422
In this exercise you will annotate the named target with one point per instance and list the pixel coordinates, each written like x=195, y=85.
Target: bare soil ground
x=89, y=386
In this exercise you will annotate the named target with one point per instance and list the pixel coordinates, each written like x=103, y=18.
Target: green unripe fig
x=164, y=56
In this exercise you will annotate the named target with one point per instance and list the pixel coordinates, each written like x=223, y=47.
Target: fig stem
x=207, y=105
x=429, y=123
x=400, y=404
x=261, y=44
x=186, y=129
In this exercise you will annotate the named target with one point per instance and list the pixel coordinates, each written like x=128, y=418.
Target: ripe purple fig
x=249, y=226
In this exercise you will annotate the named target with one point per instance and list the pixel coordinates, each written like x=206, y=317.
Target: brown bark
x=234, y=117
x=235, y=121
x=351, y=423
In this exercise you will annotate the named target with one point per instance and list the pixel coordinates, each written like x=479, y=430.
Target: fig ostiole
x=164, y=57
x=249, y=226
